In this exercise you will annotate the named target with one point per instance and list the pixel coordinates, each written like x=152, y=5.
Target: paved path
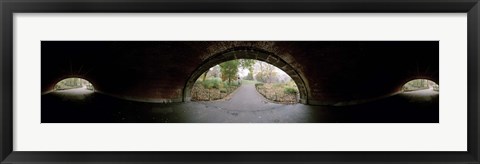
x=75, y=94
x=421, y=95
x=245, y=98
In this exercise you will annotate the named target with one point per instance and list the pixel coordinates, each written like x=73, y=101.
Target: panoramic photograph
x=240, y=82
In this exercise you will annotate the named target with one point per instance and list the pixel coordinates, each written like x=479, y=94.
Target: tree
x=266, y=73
x=205, y=75
x=229, y=70
x=214, y=71
x=248, y=64
x=249, y=76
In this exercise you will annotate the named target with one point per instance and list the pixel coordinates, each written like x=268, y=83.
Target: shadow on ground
x=244, y=107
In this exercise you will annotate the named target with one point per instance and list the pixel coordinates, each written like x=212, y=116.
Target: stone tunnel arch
x=246, y=53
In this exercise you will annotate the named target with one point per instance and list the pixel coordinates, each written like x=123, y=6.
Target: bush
x=62, y=86
x=216, y=84
x=258, y=85
x=417, y=84
x=408, y=87
x=290, y=90
x=234, y=84
x=223, y=90
x=211, y=83
x=224, y=84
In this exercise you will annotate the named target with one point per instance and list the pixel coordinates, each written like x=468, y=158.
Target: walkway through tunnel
x=247, y=79
x=421, y=90
x=158, y=81
x=74, y=89
x=256, y=66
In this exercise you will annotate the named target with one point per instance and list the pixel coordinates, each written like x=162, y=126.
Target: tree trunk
x=205, y=75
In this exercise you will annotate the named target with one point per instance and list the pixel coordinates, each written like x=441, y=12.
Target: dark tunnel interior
x=150, y=81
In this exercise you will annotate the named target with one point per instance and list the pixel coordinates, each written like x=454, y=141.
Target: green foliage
x=247, y=63
x=223, y=90
x=290, y=90
x=233, y=84
x=71, y=83
x=207, y=84
x=212, y=83
x=258, y=85
x=229, y=70
x=216, y=83
x=416, y=85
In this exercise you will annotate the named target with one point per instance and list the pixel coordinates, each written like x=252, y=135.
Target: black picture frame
x=8, y=7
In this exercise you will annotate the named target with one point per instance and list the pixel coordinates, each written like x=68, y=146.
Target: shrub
x=290, y=90
x=223, y=90
x=207, y=84
x=234, y=84
x=225, y=84
x=216, y=84
x=416, y=85
x=211, y=83
x=258, y=85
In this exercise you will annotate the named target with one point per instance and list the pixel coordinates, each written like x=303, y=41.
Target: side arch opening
x=419, y=85
x=74, y=88
x=421, y=90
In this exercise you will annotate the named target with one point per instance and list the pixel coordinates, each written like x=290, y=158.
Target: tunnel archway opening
x=420, y=84
x=73, y=86
x=249, y=53
x=421, y=91
x=245, y=79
